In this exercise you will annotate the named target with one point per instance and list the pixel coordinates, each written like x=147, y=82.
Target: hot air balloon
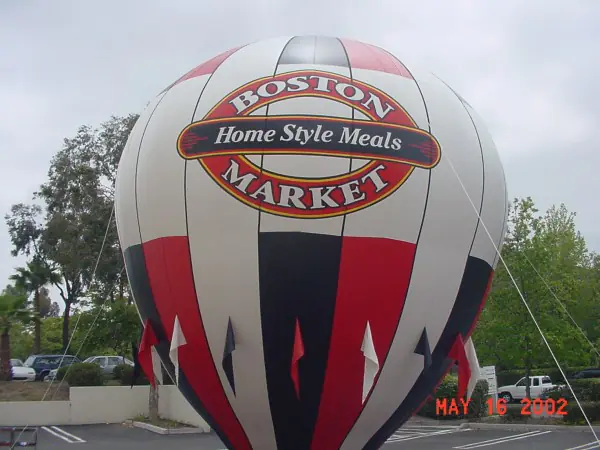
x=310, y=228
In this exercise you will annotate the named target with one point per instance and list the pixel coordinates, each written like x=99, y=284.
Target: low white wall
x=101, y=404
x=172, y=405
x=108, y=404
x=34, y=413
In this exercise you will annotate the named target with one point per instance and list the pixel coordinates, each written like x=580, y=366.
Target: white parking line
x=433, y=433
x=62, y=434
x=594, y=444
x=409, y=432
x=421, y=430
x=501, y=440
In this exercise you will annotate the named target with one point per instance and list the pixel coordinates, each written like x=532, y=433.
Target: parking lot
x=413, y=437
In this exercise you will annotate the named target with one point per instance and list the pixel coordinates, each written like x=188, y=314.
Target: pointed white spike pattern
x=473, y=365
x=177, y=341
x=371, y=362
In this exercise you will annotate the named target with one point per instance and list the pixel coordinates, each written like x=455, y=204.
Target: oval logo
x=390, y=141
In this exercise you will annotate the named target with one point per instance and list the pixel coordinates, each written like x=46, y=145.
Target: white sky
x=530, y=68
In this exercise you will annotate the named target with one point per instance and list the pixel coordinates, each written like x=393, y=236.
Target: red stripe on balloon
x=366, y=56
x=170, y=273
x=208, y=66
x=373, y=281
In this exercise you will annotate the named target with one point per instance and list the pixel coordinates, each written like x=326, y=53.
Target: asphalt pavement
x=413, y=437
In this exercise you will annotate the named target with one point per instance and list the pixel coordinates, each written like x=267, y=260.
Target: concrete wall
x=100, y=404
x=108, y=404
x=172, y=405
x=34, y=413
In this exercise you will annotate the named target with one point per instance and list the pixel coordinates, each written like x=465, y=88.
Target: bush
x=83, y=374
x=124, y=373
x=574, y=415
x=61, y=373
x=447, y=390
x=513, y=413
x=586, y=390
x=118, y=370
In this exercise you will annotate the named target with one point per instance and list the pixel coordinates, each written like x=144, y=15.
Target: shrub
x=574, y=415
x=478, y=404
x=118, y=370
x=586, y=390
x=125, y=375
x=61, y=373
x=513, y=413
x=84, y=374
x=448, y=389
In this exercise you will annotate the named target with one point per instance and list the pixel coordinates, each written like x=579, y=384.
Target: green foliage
x=513, y=413
x=32, y=280
x=118, y=370
x=550, y=245
x=116, y=327
x=126, y=374
x=60, y=373
x=21, y=341
x=448, y=390
x=575, y=416
x=67, y=234
x=12, y=312
x=586, y=390
x=83, y=374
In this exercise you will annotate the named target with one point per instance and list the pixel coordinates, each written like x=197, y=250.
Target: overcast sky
x=529, y=67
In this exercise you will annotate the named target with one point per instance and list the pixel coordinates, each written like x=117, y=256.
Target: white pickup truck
x=538, y=384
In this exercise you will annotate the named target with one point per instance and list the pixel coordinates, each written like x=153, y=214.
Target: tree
x=12, y=311
x=48, y=308
x=68, y=233
x=32, y=279
x=21, y=341
x=117, y=324
x=549, y=245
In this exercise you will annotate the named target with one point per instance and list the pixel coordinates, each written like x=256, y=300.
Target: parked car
x=43, y=364
x=538, y=385
x=20, y=372
x=587, y=373
x=108, y=363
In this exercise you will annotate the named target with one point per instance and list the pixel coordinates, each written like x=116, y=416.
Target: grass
x=32, y=391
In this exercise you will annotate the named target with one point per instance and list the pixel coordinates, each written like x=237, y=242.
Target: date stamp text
x=536, y=407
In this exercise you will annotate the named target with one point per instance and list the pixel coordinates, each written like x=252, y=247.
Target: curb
x=160, y=430
x=527, y=427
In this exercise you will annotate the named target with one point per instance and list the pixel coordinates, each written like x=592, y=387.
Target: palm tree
x=32, y=279
x=12, y=310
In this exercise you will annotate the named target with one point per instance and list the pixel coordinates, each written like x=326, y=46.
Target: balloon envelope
x=302, y=221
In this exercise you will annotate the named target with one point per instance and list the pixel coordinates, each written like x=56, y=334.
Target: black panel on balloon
x=468, y=301
x=298, y=275
x=140, y=287
x=314, y=50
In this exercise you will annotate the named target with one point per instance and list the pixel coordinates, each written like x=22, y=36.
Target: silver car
x=108, y=363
